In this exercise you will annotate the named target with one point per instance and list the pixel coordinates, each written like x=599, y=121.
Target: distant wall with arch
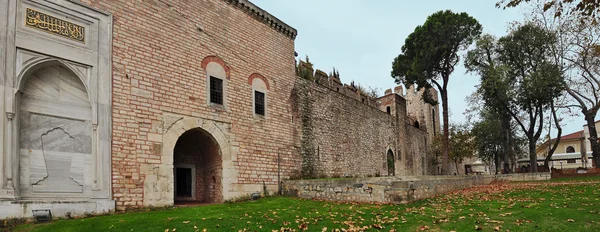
x=341, y=136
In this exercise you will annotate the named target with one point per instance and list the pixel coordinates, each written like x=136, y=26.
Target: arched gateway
x=196, y=163
x=197, y=168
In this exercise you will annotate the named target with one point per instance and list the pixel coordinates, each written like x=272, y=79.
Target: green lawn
x=564, y=205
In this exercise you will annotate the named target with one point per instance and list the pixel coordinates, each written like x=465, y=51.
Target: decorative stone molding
x=264, y=17
x=10, y=116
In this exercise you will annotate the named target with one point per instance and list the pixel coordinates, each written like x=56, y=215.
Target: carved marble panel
x=55, y=132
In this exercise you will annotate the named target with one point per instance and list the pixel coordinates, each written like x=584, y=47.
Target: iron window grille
x=216, y=90
x=259, y=103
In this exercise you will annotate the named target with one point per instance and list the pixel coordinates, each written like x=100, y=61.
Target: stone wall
x=384, y=189
x=427, y=116
x=524, y=176
x=341, y=136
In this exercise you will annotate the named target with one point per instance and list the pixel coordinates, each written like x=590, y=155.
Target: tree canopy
x=584, y=8
x=519, y=76
x=430, y=54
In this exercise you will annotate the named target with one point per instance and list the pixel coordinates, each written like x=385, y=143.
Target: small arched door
x=390, y=163
x=197, y=168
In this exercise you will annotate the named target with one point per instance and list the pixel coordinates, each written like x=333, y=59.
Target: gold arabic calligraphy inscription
x=54, y=25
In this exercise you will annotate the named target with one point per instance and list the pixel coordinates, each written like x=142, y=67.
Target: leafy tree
x=577, y=51
x=535, y=81
x=518, y=78
x=581, y=8
x=430, y=54
x=305, y=70
x=462, y=145
x=488, y=142
x=493, y=90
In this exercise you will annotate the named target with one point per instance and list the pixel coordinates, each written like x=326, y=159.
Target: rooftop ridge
x=264, y=17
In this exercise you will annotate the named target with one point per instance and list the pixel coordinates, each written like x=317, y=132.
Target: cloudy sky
x=361, y=38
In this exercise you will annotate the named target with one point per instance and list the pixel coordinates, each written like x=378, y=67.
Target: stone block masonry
x=342, y=136
x=383, y=189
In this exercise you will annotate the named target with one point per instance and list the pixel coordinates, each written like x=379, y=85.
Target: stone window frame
x=190, y=166
x=259, y=84
x=215, y=67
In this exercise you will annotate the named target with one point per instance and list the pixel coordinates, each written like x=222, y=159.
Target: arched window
x=390, y=162
x=433, y=120
x=388, y=110
x=417, y=124
x=570, y=149
x=217, y=74
x=260, y=88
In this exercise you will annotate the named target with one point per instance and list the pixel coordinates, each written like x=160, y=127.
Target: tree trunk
x=589, y=118
x=457, y=172
x=445, y=165
x=496, y=162
x=507, y=149
x=511, y=147
x=532, y=156
x=558, y=135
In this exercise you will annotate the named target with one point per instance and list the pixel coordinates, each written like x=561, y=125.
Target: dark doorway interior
x=183, y=182
x=197, y=168
x=391, y=163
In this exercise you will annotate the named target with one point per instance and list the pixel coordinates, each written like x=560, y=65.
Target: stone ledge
x=59, y=208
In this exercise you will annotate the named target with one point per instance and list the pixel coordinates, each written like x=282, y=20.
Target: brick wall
x=158, y=47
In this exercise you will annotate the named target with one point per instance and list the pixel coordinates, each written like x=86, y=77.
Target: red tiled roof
x=574, y=135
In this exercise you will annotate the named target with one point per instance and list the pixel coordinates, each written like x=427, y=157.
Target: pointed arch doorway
x=391, y=163
x=197, y=168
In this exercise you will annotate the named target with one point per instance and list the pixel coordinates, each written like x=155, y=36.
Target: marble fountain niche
x=55, y=134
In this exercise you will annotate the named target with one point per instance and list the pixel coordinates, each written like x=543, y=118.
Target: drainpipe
x=278, y=172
